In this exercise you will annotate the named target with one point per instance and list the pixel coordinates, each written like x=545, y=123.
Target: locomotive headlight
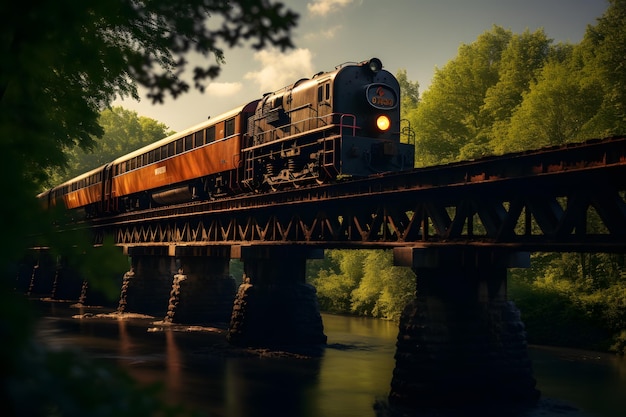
x=383, y=123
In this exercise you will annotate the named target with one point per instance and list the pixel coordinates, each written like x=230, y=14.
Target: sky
x=414, y=35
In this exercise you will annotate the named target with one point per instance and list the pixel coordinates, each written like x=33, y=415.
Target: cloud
x=280, y=70
x=223, y=89
x=324, y=34
x=323, y=7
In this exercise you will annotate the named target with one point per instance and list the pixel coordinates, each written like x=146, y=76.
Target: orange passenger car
x=81, y=193
x=199, y=162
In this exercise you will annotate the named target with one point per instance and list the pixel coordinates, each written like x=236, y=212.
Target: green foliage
x=601, y=53
x=552, y=317
x=364, y=282
x=507, y=92
x=384, y=289
x=449, y=115
x=520, y=64
x=335, y=285
x=555, y=111
x=98, y=265
x=409, y=93
x=566, y=299
x=520, y=61
x=584, y=296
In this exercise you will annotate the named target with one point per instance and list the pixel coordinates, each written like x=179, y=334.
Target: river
x=198, y=368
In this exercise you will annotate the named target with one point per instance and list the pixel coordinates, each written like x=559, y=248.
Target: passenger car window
x=229, y=127
x=210, y=134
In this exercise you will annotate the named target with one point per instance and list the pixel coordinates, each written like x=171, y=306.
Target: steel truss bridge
x=567, y=198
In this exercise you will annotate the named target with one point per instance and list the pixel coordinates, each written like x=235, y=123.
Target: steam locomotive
x=336, y=125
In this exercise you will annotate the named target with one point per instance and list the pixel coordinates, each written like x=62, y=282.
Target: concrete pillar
x=275, y=307
x=202, y=291
x=145, y=288
x=59, y=277
x=460, y=341
x=182, y=284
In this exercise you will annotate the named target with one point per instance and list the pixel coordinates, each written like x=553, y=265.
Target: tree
x=385, y=289
x=584, y=295
x=409, y=93
x=577, y=94
x=335, y=285
x=364, y=282
x=554, y=111
x=124, y=132
x=521, y=61
x=449, y=116
x=601, y=53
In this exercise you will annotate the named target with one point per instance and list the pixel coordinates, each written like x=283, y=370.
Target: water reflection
x=125, y=344
x=174, y=363
x=357, y=366
x=271, y=387
x=595, y=382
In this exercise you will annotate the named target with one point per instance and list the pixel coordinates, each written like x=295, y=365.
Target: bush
x=363, y=282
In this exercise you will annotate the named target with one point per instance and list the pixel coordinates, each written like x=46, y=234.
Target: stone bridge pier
x=460, y=340
x=182, y=284
x=44, y=274
x=275, y=307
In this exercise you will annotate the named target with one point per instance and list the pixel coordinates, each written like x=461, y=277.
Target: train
x=336, y=125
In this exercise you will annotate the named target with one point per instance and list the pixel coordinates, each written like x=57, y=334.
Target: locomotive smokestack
x=375, y=65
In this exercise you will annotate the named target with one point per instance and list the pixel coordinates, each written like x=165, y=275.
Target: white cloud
x=323, y=7
x=223, y=89
x=324, y=34
x=280, y=70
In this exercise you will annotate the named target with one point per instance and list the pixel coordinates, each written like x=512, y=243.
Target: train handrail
x=341, y=126
x=327, y=119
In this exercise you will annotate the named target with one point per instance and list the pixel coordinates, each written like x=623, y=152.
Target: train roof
x=155, y=145
x=80, y=177
x=374, y=64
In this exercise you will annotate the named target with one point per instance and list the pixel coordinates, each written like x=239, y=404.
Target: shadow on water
x=544, y=408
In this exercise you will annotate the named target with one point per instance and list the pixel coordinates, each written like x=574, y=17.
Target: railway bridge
x=458, y=226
